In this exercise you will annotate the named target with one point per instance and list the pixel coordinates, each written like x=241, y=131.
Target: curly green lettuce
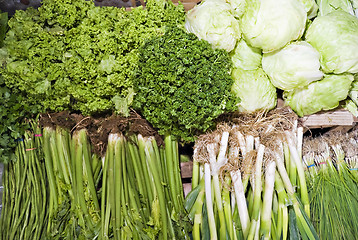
x=72, y=55
x=182, y=85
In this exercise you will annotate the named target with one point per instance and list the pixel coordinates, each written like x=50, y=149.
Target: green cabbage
x=271, y=24
x=214, y=21
x=335, y=36
x=294, y=66
x=320, y=95
x=254, y=89
x=246, y=57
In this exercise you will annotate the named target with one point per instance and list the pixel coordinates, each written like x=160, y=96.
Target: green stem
x=158, y=187
x=209, y=202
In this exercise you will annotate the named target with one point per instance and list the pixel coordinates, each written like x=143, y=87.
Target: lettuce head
x=214, y=21
x=335, y=36
x=254, y=89
x=245, y=56
x=294, y=66
x=271, y=24
x=320, y=95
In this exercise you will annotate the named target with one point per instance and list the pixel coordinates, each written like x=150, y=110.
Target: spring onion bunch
x=331, y=172
x=249, y=182
x=24, y=214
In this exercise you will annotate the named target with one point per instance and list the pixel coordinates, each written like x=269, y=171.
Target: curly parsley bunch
x=182, y=85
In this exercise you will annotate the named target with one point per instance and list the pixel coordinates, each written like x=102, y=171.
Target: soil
x=99, y=128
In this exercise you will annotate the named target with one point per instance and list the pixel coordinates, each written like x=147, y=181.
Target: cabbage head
x=245, y=56
x=294, y=66
x=335, y=36
x=214, y=21
x=254, y=89
x=271, y=24
x=320, y=95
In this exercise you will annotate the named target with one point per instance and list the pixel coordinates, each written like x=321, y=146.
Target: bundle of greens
x=142, y=193
x=60, y=187
x=73, y=177
x=73, y=55
x=249, y=182
x=331, y=170
x=25, y=201
x=182, y=84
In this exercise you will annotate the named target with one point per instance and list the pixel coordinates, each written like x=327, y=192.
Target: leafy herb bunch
x=182, y=84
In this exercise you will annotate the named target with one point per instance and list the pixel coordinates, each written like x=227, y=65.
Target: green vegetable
x=14, y=108
x=245, y=56
x=320, y=95
x=24, y=213
x=182, y=84
x=214, y=21
x=294, y=66
x=71, y=55
x=254, y=89
x=335, y=36
x=271, y=24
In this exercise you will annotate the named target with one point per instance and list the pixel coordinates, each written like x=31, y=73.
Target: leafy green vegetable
x=182, y=84
x=214, y=21
x=254, y=89
x=294, y=66
x=72, y=55
x=271, y=24
x=335, y=36
x=319, y=95
x=14, y=108
x=245, y=56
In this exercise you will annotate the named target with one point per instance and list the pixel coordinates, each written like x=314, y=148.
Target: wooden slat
x=329, y=119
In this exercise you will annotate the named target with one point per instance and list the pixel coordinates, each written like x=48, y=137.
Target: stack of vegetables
x=58, y=188
x=249, y=182
x=180, y=72
x=306, y=50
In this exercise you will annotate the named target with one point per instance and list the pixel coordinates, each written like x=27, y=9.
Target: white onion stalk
x=215, y=168
x=241, y=202
x=257, y=193
x=300, y=172
x=267, y=200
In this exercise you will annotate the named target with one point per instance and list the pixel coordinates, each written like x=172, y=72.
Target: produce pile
x=245, y=177
x=59, y=187
x=98, y=101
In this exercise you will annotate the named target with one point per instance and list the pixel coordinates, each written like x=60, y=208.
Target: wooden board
x=339, y=117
